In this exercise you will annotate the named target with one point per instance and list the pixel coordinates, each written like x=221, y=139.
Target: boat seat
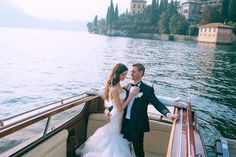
x=155, y=141
x=55, y=146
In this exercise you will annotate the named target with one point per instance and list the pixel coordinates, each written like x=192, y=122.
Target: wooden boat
x=60, y=129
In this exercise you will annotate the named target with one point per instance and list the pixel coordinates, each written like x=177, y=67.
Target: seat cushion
x=55, y=146
x=156, y=141
x=95, y=121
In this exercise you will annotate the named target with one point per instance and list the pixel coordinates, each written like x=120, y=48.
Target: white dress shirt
x=128, y=113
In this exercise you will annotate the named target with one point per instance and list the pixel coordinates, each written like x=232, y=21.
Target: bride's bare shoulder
x=113, y=89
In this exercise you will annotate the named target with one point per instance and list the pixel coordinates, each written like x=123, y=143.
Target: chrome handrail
x=53, y=103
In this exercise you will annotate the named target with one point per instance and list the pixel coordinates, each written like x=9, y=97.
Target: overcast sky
x=69, y=10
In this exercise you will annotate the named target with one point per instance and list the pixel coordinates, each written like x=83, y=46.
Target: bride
x=107, y=141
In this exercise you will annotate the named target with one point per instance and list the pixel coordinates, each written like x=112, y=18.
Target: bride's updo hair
x=114, y=78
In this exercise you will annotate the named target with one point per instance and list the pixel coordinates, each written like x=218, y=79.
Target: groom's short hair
x=140, y=67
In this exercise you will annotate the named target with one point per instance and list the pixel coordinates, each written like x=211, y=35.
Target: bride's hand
x=134, y=91
x=107, y=115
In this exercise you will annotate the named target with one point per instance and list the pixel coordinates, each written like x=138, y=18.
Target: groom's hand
x=172, y=116
x=107, y=115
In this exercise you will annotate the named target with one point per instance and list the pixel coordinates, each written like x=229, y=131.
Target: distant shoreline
x=151, y=36
x=163, y=37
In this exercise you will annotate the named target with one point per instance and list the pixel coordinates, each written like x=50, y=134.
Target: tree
x=225, y=9
x=193, y=30
x=165, y=5
x=211, y=14
x=233, y=25
x=147, y=11
x=116, y=13
x=157, y=4
x=178, y=25
x=161, y=6
x=90, y=27
x=111, y=12
x=176, y=5
x=102, y=26
x=171, y=9
x=154, y=12
x=95, y=25
x=232, y=10
x=95, y=21
x=164, y=22
x=110, y=15
x=107, y=17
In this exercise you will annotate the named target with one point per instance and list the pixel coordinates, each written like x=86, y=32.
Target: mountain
x=12, y=16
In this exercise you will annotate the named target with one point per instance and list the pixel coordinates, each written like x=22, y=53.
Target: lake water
x=41, y=66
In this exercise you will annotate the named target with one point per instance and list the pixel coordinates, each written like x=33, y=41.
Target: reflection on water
x=38, y=66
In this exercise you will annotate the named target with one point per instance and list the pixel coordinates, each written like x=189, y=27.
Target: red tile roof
x=215, y=25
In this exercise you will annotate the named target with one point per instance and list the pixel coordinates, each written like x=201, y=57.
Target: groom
x=135, y=120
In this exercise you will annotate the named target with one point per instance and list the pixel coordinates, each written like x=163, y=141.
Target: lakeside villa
x=137, y=6
x=216, y=33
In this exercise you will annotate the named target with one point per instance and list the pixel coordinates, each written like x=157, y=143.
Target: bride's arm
x=116, y=98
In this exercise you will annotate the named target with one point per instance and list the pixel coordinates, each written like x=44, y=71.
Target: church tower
x=137, y=6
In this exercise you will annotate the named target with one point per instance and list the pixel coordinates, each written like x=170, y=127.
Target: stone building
x=137, y=6
x=217, y=33
x=191, y=10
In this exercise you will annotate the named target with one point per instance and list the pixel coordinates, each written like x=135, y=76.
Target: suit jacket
x=139, y=118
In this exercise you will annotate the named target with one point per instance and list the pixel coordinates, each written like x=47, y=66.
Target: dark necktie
x=135, y=85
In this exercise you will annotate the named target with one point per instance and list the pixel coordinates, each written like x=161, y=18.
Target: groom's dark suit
x=133, y=129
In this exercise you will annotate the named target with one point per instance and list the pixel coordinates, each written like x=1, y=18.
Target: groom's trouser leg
x=137, y=140
x=126, y=131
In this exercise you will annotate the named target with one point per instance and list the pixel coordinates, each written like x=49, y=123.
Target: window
x=209, y=29
x=185, y=11
x=134, y=5
x=63, y=117
x=138, y=6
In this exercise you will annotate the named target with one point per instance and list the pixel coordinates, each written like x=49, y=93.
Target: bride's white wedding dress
x=107, y=141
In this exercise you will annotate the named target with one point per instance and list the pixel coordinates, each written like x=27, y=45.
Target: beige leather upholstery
x=53, y=147
x=95, y=121
x=155, y=141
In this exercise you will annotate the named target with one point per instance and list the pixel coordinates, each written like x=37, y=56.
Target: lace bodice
x=122, y=98
x=116, y=115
